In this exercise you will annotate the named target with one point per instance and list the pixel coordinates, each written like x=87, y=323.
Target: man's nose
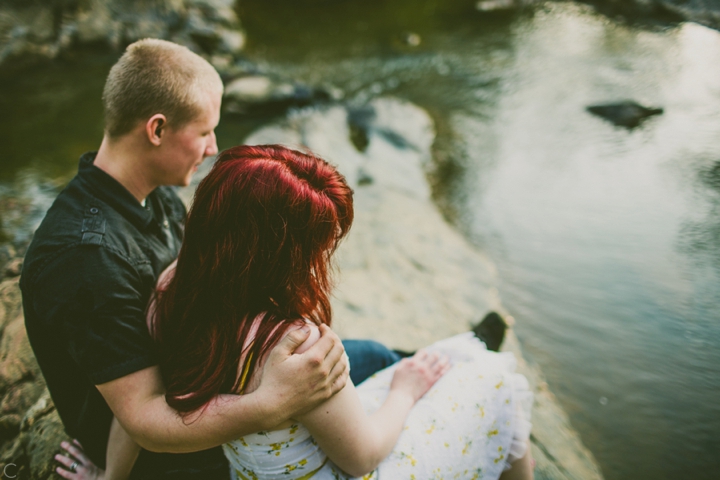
x=212, y=147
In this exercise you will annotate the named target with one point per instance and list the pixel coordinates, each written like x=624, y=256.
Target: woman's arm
x=356, y=442
x=122, y=452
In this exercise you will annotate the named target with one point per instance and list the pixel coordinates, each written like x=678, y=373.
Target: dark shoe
x=491, y=331
x=404, y=354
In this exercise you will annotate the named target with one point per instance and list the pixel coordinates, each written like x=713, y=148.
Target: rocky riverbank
x=406, y=278
x=33, y=31
x=37, y=30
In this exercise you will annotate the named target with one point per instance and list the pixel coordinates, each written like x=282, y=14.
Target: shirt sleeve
x=94, y=300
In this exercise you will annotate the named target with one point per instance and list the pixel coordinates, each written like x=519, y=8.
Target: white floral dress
x=471, y=424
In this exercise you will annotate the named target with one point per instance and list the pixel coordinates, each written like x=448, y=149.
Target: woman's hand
x=415, y=375
x=79, y=466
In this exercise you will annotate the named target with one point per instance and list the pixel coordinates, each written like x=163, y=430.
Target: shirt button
x=166, y=224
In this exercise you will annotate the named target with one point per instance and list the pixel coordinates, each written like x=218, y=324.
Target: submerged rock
x=262, y=94
x=500, y=5
x=704, y=12
x=626, y=114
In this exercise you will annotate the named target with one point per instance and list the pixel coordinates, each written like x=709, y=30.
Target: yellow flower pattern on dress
x=462, y=429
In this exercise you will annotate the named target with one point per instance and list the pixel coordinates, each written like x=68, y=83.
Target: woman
x=255, y=264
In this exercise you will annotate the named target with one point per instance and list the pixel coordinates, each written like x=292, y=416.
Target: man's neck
x=123, y=160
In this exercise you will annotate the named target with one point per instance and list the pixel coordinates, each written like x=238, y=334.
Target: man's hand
x=291, y=384
x=297, y=383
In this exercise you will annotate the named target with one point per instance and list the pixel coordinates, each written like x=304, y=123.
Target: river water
x=607, y=241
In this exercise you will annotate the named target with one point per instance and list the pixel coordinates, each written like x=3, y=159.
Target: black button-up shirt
x=87, y=278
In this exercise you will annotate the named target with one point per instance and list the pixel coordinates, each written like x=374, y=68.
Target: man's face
x=185, y=148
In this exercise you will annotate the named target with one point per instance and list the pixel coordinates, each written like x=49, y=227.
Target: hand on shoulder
x=312, y=338
x=307, y=367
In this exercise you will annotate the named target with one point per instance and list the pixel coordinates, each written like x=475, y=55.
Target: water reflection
x=583, y=219
x=701, y=238
x=48, y=119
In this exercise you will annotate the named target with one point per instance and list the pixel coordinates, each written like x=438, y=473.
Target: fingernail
x=305, y=329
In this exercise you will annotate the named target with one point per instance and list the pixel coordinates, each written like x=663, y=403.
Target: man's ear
x=155, y=128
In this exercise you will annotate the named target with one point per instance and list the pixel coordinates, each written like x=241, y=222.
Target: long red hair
x=258, y=241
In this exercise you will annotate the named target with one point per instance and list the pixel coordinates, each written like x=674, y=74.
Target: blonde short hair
x=156, y=76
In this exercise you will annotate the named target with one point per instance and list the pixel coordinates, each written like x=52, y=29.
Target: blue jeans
x=367, y=357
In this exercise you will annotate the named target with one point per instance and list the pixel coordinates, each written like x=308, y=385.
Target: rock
x=493, y=5
x=21, y=382
x=626, y=114
x=17, y=400
x=14, y=267
x=711, y=176
x=501, y=5
x=261, y=94
x=406, y=277
x=705, y=12
x=7, y=253
x=19, y=374
x=40, y=437
x=27, y=32
x=34, y=30
x=10, y=302
x=413, y=39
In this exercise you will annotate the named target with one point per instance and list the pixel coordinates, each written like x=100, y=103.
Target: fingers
x=441, y=366
x=77, y=465
x=67, y=461
x=421, y=355
x=76, y=452
x=339, y=375
x=327, y=343
x=65, y=473
x=292, y=341
x=436, y=363
x=337, y=352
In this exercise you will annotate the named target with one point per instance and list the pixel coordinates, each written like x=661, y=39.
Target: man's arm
x=295, y=384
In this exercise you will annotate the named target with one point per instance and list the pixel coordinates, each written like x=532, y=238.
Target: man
x=94, y=261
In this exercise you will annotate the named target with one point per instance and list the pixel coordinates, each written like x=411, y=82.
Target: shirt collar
x=110, y=191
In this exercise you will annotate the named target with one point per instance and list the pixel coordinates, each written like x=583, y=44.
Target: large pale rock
x=406, y=277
